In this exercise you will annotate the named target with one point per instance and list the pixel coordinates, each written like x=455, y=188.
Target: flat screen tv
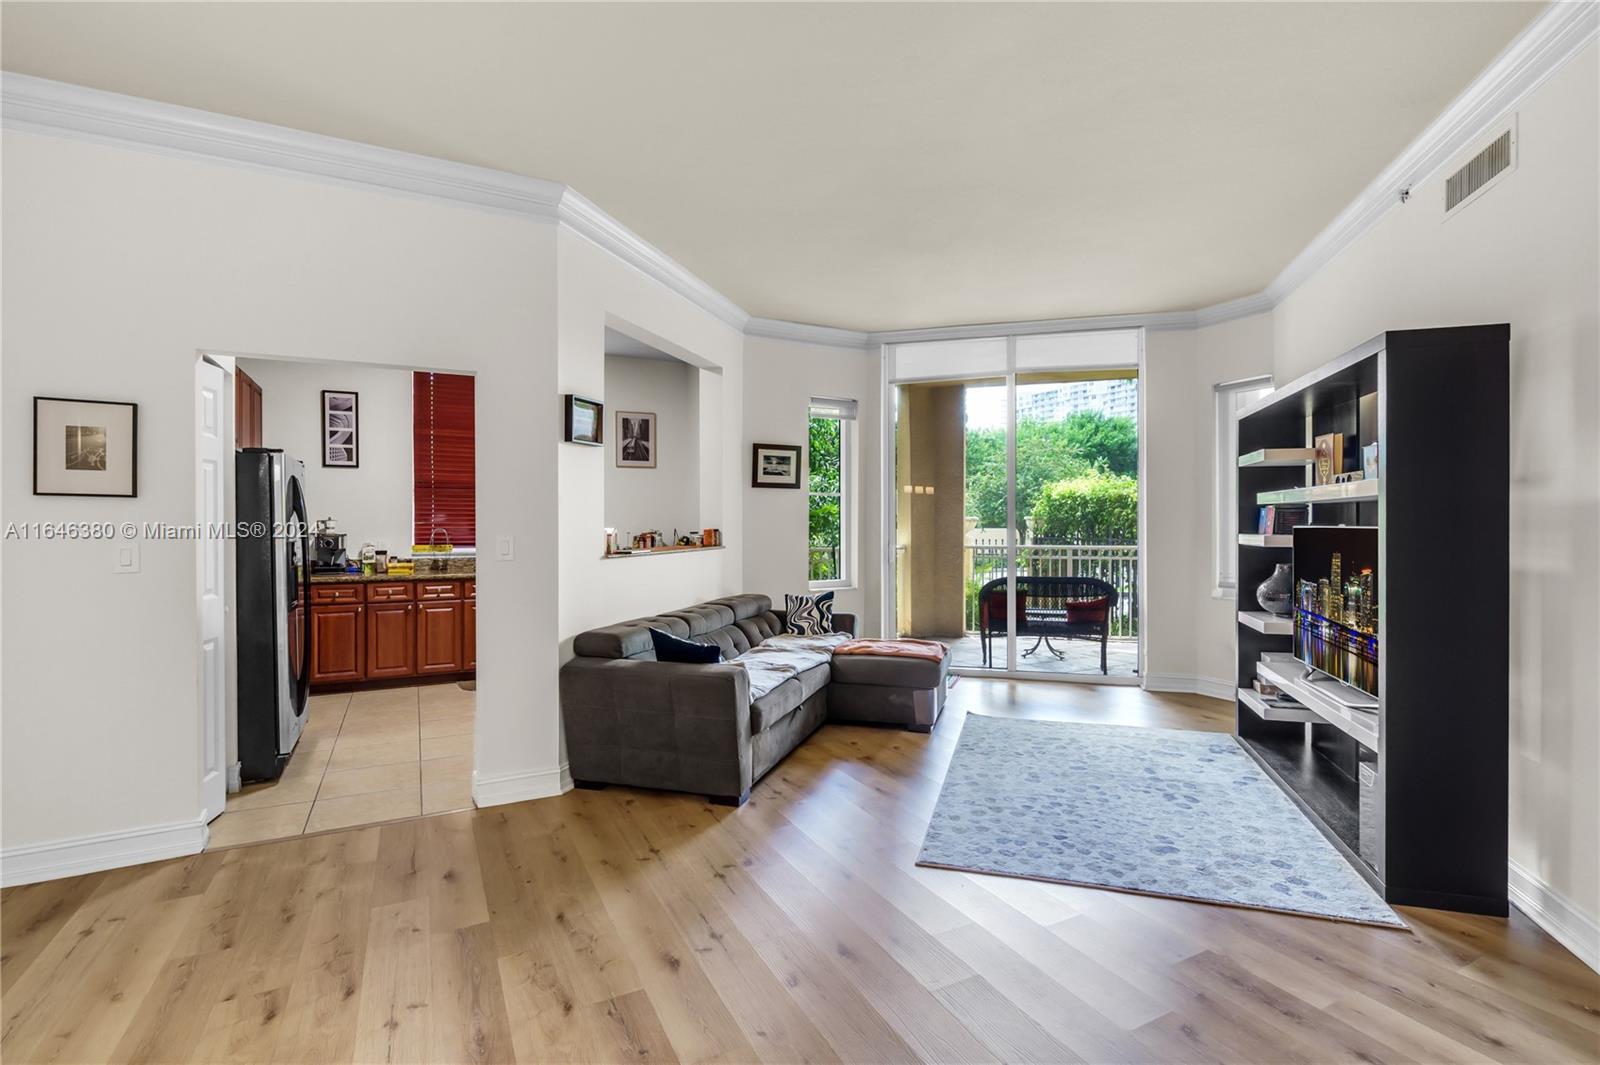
x=1336, y=602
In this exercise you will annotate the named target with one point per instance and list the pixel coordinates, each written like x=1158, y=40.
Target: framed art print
x=636, y=439
x=774, y=466
x=85, y=447
x=585, y=420
x=341, y=431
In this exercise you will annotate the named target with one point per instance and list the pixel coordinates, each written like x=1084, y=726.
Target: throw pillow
x=670, y=648
x=808, y=615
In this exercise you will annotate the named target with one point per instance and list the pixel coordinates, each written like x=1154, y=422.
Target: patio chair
x=1063, y=608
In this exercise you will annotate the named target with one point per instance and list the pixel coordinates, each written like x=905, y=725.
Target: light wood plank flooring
x=635, y=926
x=378, y=755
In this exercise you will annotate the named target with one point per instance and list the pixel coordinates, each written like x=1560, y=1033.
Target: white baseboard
x=1556, y=914
x=1211, y=687
x=108, y=850
x=520, y=787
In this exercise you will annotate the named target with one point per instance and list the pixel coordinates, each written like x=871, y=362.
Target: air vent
x=1480, y=171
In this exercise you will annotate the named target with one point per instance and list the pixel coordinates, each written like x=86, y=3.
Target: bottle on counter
x=369, y=559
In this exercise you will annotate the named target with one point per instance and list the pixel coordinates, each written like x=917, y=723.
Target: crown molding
x=41, y=105
x=580, y=214
x=801, y=333
x=1542, y=48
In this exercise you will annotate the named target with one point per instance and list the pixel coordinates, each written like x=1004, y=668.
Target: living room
x=824, y=365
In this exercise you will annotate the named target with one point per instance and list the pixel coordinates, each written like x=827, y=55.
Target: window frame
x=1229, y=397
x=845, y=416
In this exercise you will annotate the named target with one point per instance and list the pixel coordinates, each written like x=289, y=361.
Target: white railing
x=1117, y=564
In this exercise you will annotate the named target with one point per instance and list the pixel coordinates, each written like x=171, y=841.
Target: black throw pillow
x=671, y=649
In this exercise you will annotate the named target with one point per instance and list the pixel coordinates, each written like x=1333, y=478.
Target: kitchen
x=378, y=620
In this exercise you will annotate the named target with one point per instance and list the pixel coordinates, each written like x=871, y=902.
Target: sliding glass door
x=1015, y=511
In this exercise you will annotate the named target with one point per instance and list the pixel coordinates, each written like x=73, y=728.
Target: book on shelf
x=1279, y=519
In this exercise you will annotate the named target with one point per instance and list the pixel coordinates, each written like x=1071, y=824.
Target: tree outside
x=1086, y=444
x=826, y=481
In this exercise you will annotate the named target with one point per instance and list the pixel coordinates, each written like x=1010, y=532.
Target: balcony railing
x=1117, y=564
x=825, y=564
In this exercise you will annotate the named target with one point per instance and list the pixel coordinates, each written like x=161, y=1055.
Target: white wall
x=596, y=289
x=665, y=497
x=120, y=265
x=781, y=376
x=371, y=502
x=1524, y=253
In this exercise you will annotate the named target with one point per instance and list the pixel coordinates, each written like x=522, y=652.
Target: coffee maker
x=328, y=553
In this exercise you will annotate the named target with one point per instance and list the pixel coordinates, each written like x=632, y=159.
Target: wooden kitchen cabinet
x=246, y=410
x=439, y=636
x=338, y=643
x=391, y=640
x=390, y=629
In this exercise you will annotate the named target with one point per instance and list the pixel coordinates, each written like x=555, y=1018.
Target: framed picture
x=774, y=466
x=584, y=420
x=85, y=447
x=636, y=439
x=341, y=431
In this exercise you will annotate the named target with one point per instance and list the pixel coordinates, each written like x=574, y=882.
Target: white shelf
x=1258, y=705
x=1266, y=540
x=1270, y=624
x=1284, y=670
x=1279, y=456
x=1349, y=492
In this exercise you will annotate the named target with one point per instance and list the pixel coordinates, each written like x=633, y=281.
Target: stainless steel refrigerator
x=274, y=611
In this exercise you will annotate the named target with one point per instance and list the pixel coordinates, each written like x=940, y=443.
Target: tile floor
x=365, y=757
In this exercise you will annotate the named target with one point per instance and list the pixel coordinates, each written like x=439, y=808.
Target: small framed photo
x=636, y=439
x=341, y=439
x=774, y=466
x=585, y=420
x=85, y=447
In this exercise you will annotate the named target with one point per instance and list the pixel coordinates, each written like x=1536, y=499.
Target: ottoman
x=887, y=690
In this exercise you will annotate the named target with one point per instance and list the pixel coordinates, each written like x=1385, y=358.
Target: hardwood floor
x=633, y=926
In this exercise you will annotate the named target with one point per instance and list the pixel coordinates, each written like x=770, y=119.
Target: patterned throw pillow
x=809, y=615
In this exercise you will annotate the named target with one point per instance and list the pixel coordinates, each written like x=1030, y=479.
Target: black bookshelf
x=1430, y=827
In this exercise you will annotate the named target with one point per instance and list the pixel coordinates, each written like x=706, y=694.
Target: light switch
x=502, y=548
x=127, y=560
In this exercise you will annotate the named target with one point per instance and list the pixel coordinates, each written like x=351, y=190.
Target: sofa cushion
x=670, y=648
x=783, y=700
x=627, y=639
x=809, y=615
x=890, y=672
x=760, y=627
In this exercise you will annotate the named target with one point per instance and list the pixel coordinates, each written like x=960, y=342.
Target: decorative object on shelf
x=1369, y=461
x=1280, y=518
x=341, y=441
x=636, y=439
x=85, y=447
x=585, y=420
x=774, y=466
x=711, y=538
x=1273, y=593
x=1349, y=477
x=1330, y=457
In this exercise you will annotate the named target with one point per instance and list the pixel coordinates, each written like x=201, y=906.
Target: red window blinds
x=444, y=497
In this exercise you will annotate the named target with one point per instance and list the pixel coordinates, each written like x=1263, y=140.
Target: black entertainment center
x=1412, y=791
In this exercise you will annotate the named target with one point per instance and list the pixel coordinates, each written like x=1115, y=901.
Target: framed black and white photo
x=636, y=439
x=341, y=440
x=85, y=447
x=775, y=466
x=585, y=420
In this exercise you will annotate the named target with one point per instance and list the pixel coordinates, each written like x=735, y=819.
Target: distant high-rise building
x=1116, y=397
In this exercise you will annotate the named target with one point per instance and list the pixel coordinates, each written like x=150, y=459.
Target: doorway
x=388, y=658
x=1016, y=503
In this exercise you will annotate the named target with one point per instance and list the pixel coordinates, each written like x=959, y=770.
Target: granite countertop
x=457, y=570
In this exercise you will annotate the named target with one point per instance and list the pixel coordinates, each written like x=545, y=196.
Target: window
x=1232, y=397
x=444, y=481
x=829, y=510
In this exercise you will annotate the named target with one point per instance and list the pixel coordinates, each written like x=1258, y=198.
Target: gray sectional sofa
x=633, y=720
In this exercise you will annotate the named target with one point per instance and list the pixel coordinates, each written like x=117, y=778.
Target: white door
x=210, y=504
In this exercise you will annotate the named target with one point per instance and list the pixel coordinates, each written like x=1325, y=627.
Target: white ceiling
x=865, y=166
